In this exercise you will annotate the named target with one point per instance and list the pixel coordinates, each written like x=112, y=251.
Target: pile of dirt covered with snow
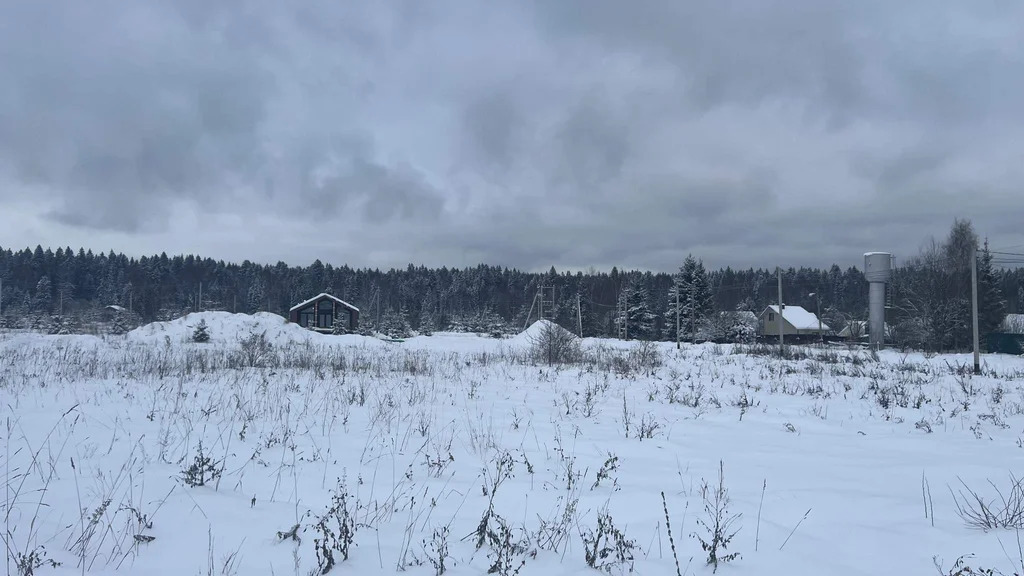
x=532, y=334
x=225, y=327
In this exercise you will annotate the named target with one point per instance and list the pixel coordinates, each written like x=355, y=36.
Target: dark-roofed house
x=323, y=311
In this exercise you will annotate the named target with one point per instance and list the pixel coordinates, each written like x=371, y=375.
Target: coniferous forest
x=68, y=291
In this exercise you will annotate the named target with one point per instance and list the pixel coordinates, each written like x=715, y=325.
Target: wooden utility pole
x=625, y=314
x=579, y=313
x=974, y=308
x=677, y=316
x=530, y=313
x=782, y=348
x=693, y=316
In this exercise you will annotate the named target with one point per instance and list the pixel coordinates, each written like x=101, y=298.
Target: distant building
x=1012, y=324
x=323, y=311
x=1009, y=338
x=795, y=322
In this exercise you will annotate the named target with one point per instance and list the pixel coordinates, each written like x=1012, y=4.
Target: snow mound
x=535, y=331
x=225, y=327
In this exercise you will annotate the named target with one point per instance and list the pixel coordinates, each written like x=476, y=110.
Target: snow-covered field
x=414, y=453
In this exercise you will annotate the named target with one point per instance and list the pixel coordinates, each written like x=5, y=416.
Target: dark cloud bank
x=575, y=133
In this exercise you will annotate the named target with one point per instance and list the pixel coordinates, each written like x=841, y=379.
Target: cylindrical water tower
x=878, y=271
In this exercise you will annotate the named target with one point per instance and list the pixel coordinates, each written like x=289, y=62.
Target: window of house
x=307, y=316
x=325, y=312
x=771, y=317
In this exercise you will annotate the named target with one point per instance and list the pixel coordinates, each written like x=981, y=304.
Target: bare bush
x=555, y=345
x=645, y=356
x=1006, y=510
x=962, y=568
x=718, y=522
x=607, y=548
x=255, y=351
x=335, y=529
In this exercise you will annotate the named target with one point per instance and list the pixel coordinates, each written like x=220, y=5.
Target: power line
x=1010, y=247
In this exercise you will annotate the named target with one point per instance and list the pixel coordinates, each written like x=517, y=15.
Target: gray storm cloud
x=572, y=133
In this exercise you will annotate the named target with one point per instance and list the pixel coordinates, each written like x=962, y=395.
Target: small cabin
x=796, y=321
x=323, y=311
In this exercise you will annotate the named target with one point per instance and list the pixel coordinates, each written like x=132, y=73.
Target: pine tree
x=201, y=333
x=695, y=299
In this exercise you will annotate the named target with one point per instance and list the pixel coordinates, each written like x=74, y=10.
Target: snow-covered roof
x=1013, y=324
x=319, y=297
x=800, y=319
x=116, y=307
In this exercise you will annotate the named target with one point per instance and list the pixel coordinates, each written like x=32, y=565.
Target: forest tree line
x=65, y=290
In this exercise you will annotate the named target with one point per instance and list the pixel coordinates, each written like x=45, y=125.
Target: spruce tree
x=991, y=305
x=338, y=327
x=695, y=299
x=42, y=300
x=394, y=325
x=120, y=324
x=428, y=321
x=636, y=312
x=201, y=334
x=256, y=299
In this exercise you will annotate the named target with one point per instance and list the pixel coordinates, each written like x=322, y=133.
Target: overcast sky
x=526, y=133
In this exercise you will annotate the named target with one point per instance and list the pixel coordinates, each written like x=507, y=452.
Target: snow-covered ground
x=833, y=464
